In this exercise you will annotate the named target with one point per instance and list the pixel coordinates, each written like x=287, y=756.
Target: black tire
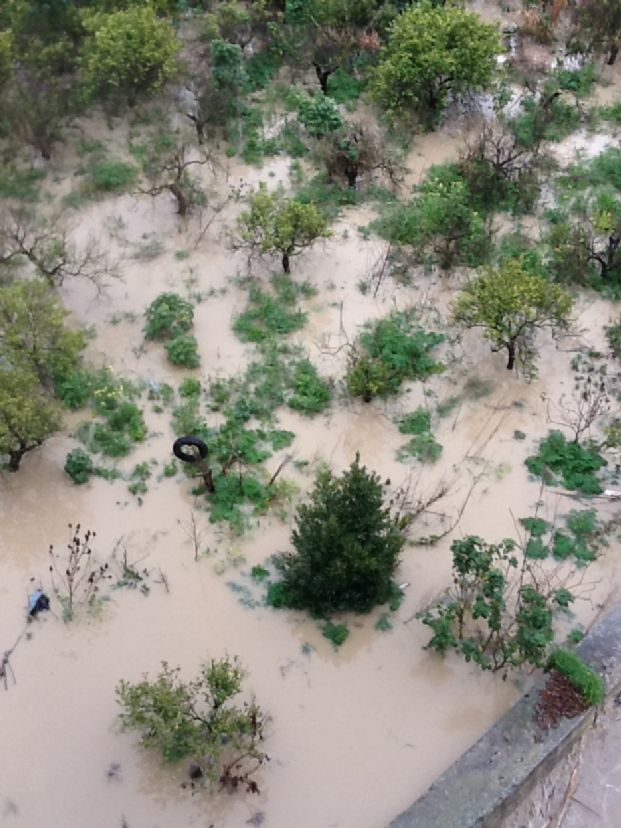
x=190, y=456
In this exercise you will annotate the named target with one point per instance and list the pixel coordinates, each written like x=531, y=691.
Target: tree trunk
x=322, y=76
x=182, y=201
x=46, y=150
x=207, y=474
x=352, y=176
x=286, y=264
x=511, y=351
x=614, y=51
x=15, y=458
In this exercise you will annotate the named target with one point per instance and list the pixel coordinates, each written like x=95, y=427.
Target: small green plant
x=79, y=466
x=578, y=540
x=168, y=316
x=423, y=444
x=139, y=476
x=259, y=573
x=336, y=633
x=570, y=463
x=182, y=350
x=347, y=547
x=198, y=720
x=170, y=469
x=588, y=682
x=190, y=387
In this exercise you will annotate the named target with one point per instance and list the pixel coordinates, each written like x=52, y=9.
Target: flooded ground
x=355, y=734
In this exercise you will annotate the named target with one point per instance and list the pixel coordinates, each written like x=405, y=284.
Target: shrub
x=347, y=547
x=198, y=720
x=388, y=352
x=110, y=175
x=311, y=394
x=168, y=316
x=320, y=115
x=570, y=665
x=79, y=466
x=183, y=351
x=190, y=387
x=336, y=633
x=574, y=465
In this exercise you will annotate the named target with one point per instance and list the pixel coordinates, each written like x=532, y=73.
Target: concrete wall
x=491, y=778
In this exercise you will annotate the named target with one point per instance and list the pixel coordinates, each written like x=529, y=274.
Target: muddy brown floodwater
x=356, y=734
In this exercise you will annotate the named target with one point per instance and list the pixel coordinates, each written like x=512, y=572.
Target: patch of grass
x=345, y=88
x=611, y=113
x=336, y=633
x=579, y=81
x=570, y=665
x=475, y=387
x=139, y=476
x=190, y=387
x=446, y=407
x=170, y=469
x=613, y=335
x=270, y=314
x=259, y=573
x=573, y=465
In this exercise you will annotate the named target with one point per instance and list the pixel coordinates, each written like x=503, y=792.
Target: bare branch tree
x=49, y=249
x=579, y=412
x=167, y=167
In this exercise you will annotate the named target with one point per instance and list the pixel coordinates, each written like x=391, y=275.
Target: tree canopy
x=432, y=53
x=347, y=547
x=128, y=52
x=276, y=224
x=510, y=304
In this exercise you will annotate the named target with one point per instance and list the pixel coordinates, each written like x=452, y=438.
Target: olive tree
x=510, y=304
x=34, y=336
x=128, y=52
x=275, y=224
x=433, y=52
x=347, y=545
x=27, y=414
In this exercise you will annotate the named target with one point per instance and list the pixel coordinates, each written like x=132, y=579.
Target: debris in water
x=114, y=771
x=37, y=602
x=256, y=819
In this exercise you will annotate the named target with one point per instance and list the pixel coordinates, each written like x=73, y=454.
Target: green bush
x=190, y=387
x=311, y=394
x=336, y=633
x=183, y=351
x=534, y=125
x=79, y=466
x=388, y=352
x=347, y=547
x=613, y=335
x=168, y=316
x=109, y=175
x=320, y=115
x=570, y=665
x=198, y=719
x=123, y=426
x=572, y=464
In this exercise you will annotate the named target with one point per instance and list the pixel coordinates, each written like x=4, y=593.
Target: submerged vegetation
x=157, y=156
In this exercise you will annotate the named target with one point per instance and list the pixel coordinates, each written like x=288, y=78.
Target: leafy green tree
x=129, y=52
x=33, y=332
x=199, y=720
x=441, y=224
x=510, y=305
x=431, y=53
x=279, y=225
x=27, y=415
x=347, y=547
